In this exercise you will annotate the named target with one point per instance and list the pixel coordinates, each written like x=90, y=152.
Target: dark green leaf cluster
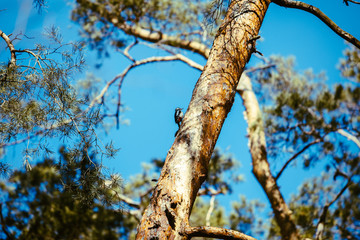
x=59, y=200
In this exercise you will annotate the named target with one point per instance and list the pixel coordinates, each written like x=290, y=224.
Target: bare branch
x=127, y=49
x=319, y=14
x=261, y=167
x=295, y=156
x=127, y=200
x=215, y=232
x=349, y=136
x=10, y=46
x=147, y=35
x=210, y=210
x=352, y=1
x=177, y=57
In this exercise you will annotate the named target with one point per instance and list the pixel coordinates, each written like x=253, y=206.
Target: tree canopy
x=295, y=120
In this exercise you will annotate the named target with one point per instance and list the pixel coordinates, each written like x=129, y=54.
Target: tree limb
x=215, y=232
x=319, y=14
x=352, y=1
x=210, y=210
x=174, y=41
x=10, y=46
x=187, y=161
x=261, y=168
x=321, y=224
x=295, y=156
x=349, y=136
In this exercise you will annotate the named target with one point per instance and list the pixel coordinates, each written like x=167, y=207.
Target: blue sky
x=153, y=92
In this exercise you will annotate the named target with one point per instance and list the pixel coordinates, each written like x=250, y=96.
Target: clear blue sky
x=152, y=92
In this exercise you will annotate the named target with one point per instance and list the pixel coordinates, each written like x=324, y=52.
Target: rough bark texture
x=261, y=169
x=186, y=164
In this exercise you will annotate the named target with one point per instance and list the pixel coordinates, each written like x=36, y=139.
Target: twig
x=319, y=14
x=215, y=232
x=174, y=41
x=295, y=156
x=352, y=1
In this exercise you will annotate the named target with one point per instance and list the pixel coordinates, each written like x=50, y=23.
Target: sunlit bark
x=261, y=168
x=186, y=165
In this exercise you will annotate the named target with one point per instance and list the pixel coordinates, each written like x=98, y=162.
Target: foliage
x=38, y=99
x=107, y=22
x=301, y=111
x=315, y=125
x=245, y=217
x=67, y=199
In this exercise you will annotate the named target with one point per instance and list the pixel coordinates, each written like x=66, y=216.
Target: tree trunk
x=261, y=169
x=186, y=164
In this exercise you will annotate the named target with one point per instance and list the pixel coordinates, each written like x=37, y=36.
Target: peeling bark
x=261, y=169
x=186, y=164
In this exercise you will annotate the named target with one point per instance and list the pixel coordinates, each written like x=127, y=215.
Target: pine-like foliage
x=64, y=199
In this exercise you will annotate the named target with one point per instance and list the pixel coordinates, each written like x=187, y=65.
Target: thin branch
x=319, y=14
x=121, y=76
x=253, y=69
x=215, y=232
x=174, y=41
x=352, y=1
x=210, y=210
x=127, y=200
x=295, y=156
x=10, y=46
x=349, y=182
x=349, y=136
x=321, y=225
x=127, y=49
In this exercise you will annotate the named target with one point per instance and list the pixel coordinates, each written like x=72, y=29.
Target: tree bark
x=186, y=164
x=261, y=169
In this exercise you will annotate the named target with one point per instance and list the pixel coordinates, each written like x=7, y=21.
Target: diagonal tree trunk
x=261, y=169
x=187, y=161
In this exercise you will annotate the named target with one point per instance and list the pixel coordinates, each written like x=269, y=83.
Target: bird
x=179, y=115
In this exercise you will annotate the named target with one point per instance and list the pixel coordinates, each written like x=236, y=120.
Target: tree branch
x=319, y=14
x=10, y=46
x=215, y=232
x=352, y=1
x=261, y=168
x=349, y=136
x=210, y=210
x=295, y=156
x=174, y=41
x=321, y=224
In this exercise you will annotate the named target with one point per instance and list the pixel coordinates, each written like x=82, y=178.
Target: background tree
x=97, y=17
x=64, y=199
